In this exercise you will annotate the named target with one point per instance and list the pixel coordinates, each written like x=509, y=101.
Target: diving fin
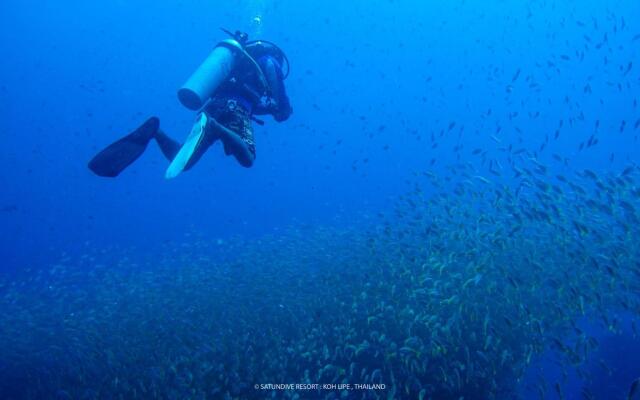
x=111, y=161
x=188, y=149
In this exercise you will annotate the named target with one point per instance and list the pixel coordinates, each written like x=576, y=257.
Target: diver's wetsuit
x=233, y=106
x=229, y=115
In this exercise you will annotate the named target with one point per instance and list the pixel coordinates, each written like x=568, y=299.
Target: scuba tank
x=218, y=65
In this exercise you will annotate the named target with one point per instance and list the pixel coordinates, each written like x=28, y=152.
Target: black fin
x=119, y=155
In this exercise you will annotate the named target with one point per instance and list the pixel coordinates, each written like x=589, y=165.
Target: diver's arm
x=273, y=73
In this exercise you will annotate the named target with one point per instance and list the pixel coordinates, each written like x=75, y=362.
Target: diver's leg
x=202, y=148
x=233, y=143
x=113, y=159
x=168, y=146
x=193, y=148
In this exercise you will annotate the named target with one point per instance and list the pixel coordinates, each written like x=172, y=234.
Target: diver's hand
x=268, y=104
x=271, y=106
x=283, y=115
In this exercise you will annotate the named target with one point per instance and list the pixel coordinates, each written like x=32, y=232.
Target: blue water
x=371, y=83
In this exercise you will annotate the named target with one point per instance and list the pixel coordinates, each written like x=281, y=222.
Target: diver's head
x=260, y=48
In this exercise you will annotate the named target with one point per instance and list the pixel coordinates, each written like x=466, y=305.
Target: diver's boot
x=112, y=160
x=192, y=149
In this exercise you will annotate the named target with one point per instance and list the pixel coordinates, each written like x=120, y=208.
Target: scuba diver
x=238, y=80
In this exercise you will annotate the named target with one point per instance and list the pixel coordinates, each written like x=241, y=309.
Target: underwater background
x=451, y=212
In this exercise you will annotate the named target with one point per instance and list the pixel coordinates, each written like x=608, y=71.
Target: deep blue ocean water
x=381, y=92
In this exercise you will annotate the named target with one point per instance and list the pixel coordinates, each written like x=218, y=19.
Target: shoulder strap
x=234, y=45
